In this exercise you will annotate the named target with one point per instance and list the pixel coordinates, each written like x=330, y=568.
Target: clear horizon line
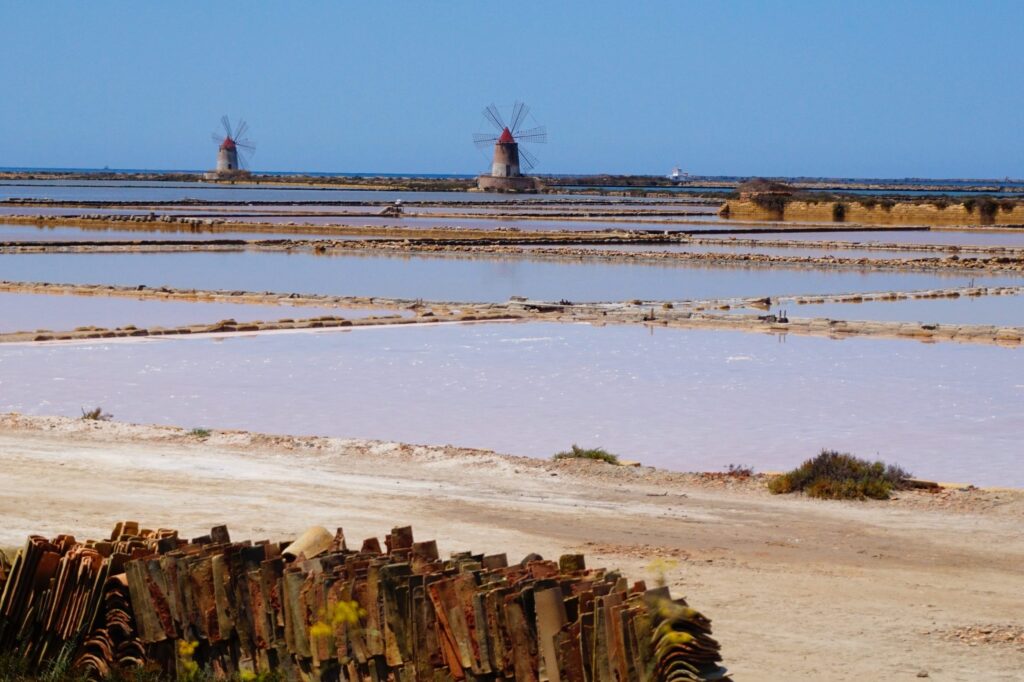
x=60, y=169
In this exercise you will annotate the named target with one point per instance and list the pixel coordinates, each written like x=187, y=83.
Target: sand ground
x=797, y=589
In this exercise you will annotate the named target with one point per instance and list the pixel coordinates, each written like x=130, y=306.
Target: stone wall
x=903, y=213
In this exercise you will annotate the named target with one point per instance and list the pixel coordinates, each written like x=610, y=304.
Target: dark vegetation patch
x=776, y=203
x=838, y=212
x=576, y=452
x=739, y=471
x=987, y=207
x=762, y=185
x=96, y=414
x=834, y=475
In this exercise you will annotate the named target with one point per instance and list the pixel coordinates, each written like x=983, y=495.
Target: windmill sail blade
x=494, y=116
x=240, y=132
x=484, y=139
x=245, y=156
x=534, y=135
x=248, y=145
x=226, y=122
x=217, y=137
x=527, y=159
x=519, y=112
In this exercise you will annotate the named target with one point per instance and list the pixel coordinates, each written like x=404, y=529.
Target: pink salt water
x=31, y=312
x=680, y=399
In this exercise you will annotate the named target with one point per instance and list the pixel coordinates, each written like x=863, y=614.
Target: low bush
x=201, y=434
x=96, y=414
x=739, y=471
x=840, y=476
x=577, y=452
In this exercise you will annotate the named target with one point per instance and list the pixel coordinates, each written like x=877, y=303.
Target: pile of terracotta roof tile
x=315, y=610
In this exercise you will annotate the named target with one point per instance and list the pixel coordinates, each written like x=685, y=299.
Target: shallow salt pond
x=467, y=221
x=120, y=190
x=681, y=399
x=768, y=250
x=478, y=223
x=33, y=233
x=938, y=237
x=31, y=312
x=455, y=278
x=993, y=310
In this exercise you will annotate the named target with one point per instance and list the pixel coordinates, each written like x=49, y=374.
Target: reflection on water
x=460, y=278
x=674, y=398
x=31, y=312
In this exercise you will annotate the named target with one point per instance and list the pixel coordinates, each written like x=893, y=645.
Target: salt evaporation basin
x=22, y=312
x=464, y=278
x=681, y=399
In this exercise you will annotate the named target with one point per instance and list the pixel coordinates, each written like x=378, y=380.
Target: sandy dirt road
x=797, y=589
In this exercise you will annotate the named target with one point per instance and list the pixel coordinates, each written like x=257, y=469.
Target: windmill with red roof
x=234, y=146
x=510, y=156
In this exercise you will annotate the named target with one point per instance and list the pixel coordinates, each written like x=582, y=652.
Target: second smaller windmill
x=510, y=157
x=233, y=149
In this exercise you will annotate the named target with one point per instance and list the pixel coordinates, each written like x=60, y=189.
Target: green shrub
x=577, y=452
x=840, y=476
x=201, y=434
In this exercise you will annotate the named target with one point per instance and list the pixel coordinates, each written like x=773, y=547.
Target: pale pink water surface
x=31, y=312
x=681, y=399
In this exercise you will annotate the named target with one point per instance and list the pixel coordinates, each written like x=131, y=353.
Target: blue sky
x=864, y=89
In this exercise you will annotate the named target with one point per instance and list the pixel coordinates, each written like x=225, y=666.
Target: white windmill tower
x=233, y=149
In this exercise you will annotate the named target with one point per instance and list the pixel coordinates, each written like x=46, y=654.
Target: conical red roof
x=506, y=137
x=228, y=143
